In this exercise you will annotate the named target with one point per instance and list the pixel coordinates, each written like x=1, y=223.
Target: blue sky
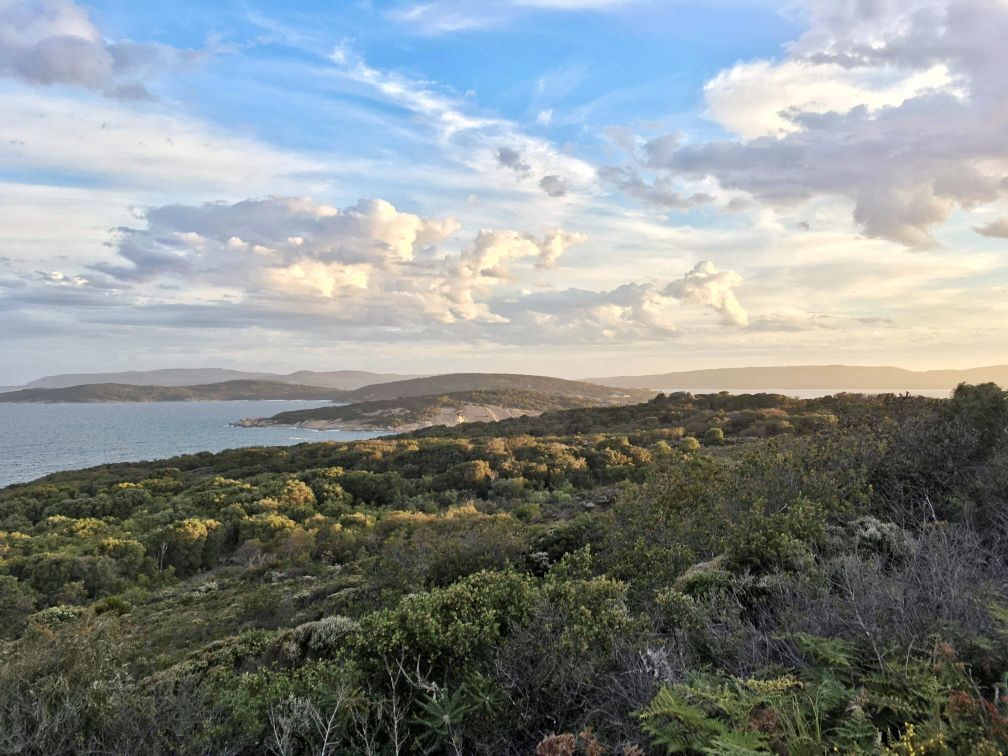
x=530, y=185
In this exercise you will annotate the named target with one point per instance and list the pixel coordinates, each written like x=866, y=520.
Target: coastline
x=448, y=416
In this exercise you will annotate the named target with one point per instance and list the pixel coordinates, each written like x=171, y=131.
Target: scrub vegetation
x=706, y=574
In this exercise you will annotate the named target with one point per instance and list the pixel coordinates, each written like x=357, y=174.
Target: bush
x=714, y=437
x=689, y=444
x=17, y=601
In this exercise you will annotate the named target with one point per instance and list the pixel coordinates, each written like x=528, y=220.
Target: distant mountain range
x=541, y=386
x=122, y=392
x=839, y=377
x=351, y=386
x=338, y=379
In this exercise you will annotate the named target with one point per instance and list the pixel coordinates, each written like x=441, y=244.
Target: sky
x=572, y=187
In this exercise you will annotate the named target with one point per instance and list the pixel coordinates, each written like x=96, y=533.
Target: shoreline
x=446, y=416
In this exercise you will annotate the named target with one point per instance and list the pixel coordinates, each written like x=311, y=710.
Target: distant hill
x=120, y=392
x=812, y=377
x=339, y=379
x=456, y=382
x=413, y=413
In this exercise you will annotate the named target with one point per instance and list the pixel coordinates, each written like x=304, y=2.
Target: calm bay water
x=37, y=439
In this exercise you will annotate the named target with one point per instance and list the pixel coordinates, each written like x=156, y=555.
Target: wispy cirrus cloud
x=483, y=143
x=445, y=17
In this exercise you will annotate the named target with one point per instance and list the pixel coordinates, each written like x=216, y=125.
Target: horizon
x=536, y=186
x=408, y=376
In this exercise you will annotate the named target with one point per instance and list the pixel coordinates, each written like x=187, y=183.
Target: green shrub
x=714, y=437
x=689, y=444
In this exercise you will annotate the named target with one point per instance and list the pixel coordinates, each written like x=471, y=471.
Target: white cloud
x=48, y=42
x=448, y=16
x=898, y=107
x=363, y=258
x=707, y=286
x=760, y=98
x=325, y=278
x=370, y=270
x=220, y=241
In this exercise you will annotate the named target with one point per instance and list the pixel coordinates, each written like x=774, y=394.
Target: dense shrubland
x=713, y=574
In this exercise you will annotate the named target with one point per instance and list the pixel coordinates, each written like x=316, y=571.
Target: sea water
x=37, y=439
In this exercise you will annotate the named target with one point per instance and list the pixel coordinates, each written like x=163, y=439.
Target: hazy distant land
x=351, y=387
x=338, y=379
x=120, y=392
x=846, y=377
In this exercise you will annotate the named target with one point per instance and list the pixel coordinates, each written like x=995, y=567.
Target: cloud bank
x=370, y=270
x=898, y=107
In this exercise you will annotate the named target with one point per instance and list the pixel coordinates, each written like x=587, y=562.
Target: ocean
x=37, y=439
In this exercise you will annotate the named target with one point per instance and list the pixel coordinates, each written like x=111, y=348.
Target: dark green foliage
x=17, y=601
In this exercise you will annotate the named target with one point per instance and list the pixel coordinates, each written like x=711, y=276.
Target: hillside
x=757, y=574
x=742, y=416
x=840, y=377
x=413, y=413
x=455, y=382
x=118, y=392
x=338, y=379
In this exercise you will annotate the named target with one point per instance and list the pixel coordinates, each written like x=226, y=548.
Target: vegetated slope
x=850, y=377
x=455, y=382
x=409, y=413
x=118, y=392
x=741, y=415
x=338, y=379
x=706, y=574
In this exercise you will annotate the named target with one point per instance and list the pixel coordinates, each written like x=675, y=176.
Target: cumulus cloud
x=706, y=285
x=361, y=258
x=898, y=107
x=54, y=42
x=367, y=272
x=220, y=239
x=628, y=313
